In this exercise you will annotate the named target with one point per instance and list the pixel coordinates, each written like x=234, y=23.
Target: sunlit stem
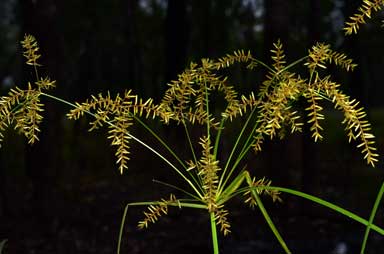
x=164, y=144
x=198, y=179
x=190, y=142
x=264, y=65
x=176, y=188
x=218, y=136
x=176, y=204
x=270, y=223
x=207, y=110
x=291, y=65
x=225, y=177
x=248, y=143
x=215, y=242
x=266, y=216
x=121, y=229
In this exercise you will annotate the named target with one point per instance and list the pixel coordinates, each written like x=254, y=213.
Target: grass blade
x=371, y=218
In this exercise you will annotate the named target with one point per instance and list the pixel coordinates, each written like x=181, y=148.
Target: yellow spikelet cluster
x=22, y=108
x=156, y=211
x=356, y=125
x=31, y=50
x=363, y=12
x=282, y=88
x=239, y=56
x=258, y=185
x=207, y=169
x=278, y=73
x=276, y=110
x=186, y=97
x=118, y=113
x=278, y=56
x=221, y=218
x=314, y=113
x=322, y=53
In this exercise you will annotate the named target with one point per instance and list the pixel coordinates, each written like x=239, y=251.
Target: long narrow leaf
x=122, y=223
x=372, y=217
x=324, y=203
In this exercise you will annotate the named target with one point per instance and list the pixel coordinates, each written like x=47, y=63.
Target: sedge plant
x=210, y=177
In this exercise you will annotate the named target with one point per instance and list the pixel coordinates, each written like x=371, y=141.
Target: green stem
x=214, y=233
x=265, y=214
x=264, y=65
x=162, y=142
x=224, y=176
x=371, y=218
x=122, y=229
x=291, y=65
x=190, y=142
x=270, y=223
x=176, y=204
x=218, y=136
x=247, y=145
x=176, y=188
x=207, y=110
x=63, y=101
x=197, y=179
x=36, y=72
x=167, y=147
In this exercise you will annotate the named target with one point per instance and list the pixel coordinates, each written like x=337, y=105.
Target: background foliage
x=63, y=195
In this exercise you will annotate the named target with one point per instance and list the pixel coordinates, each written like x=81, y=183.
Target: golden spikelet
x=239, y=56
x=314, y=114
x=186, y=97
x=208, y=168
x=321, y=54
x=221, y=218
x=22, y=108
x=118, y=113
x=276, y=111
x=251, y=200
x=278, y=56
x=31, y=50
x=156, y=211
x=356, y=125
x=363, y=12
x=45, y=84
x=120, y=137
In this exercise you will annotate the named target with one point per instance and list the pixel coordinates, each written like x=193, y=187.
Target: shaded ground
x=84, y=212
x=90, y=225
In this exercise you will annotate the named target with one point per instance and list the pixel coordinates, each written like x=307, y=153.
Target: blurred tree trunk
x=309, y=175
x=176, y=38
x=353, y=47
x=133, y=59
x=40, y=20
x=358, y=90
x=309, y=163
x=201, y=14
x=276, y=26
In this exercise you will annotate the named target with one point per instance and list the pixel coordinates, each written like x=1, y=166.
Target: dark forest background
x=65, y=195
